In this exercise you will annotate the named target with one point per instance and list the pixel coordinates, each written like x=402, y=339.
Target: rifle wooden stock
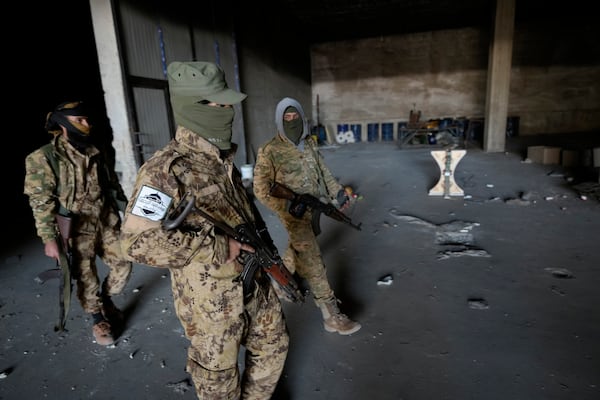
x=65, y=225
x=266, y=257
x=282, y=192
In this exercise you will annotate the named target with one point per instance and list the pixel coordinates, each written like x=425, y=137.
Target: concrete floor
x=494, y=296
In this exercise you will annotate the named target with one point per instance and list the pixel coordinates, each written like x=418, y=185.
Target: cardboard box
x=570, y=158
x=544, y=154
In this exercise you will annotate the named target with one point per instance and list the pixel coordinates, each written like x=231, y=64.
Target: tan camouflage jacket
x=279, y=160
x=75, y=186
x=187, y=164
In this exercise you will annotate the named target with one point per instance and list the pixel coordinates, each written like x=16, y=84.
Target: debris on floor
x=181, y=386
x=4, y=374
x=524, y=199
x=588, y=189
x=477, y=303
x=562, y=273
x=454, y=232
x=465, y=251
x=385, y=280
x=557, y=290
x=517, y=202
x=451, y=233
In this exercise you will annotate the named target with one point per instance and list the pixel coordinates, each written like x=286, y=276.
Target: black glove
x=297, y=208
x=119, y=199
x=342, y=198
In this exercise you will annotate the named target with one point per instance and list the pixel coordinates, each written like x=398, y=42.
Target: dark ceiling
x=329, y=20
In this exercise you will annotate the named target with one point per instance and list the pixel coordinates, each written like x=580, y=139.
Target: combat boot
x=103, y=333
x=335, y=321
x=111, y=312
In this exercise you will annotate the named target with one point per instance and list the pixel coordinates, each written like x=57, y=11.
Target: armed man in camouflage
x=291, y=158
x=70, y=176
x=202, y=259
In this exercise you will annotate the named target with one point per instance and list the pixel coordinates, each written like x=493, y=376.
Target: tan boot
x=335, y=321
x=103, y=333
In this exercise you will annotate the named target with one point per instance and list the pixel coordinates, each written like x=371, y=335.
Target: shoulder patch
x=151, y=203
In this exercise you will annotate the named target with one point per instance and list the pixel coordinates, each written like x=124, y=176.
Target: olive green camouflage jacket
x=58, y=178
x=302, y=170
x=187, y=164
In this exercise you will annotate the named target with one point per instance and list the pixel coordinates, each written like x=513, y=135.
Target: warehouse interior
x=353, y=64
x=364, y=65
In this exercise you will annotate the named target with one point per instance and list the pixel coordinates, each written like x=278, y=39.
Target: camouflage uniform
x=301, y=168
x=208, y=297
x=280, y=161
x=78, y=190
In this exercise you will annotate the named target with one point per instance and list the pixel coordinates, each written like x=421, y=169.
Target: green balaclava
x=78, y=135
x=212, y=123
x=293, y=129
x=192, y=84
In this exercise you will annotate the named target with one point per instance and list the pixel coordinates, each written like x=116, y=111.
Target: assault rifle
x=265, y=254
x=300, y=202
x=65, y=223
x=63, y=270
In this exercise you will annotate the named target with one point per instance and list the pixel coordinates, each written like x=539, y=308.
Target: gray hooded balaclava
x=280, y=110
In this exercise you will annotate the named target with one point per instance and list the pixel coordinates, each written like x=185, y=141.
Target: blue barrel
x=357, y=131
x=387, y=131
x=321, y=134
x=373, y=132
x=461, y=124
x=341, y=128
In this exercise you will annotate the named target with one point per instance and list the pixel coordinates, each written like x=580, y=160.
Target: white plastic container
x=247, y=171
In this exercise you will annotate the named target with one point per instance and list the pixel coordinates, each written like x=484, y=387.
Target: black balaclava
x=294, y=128
x=78, y=135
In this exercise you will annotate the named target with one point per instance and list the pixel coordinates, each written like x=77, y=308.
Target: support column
x=498, y=82
x=111, y=74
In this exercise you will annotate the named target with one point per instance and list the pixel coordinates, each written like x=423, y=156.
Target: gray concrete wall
x=555, y=79
x=274, y=63
x=257, y=62
x=554, y=88
x=441, y=73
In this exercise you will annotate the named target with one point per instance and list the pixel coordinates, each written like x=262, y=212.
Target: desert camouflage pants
x=97, y=240
x=215, y=347
x=304, y=257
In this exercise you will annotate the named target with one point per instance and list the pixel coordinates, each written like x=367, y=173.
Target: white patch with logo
x=151, y=203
